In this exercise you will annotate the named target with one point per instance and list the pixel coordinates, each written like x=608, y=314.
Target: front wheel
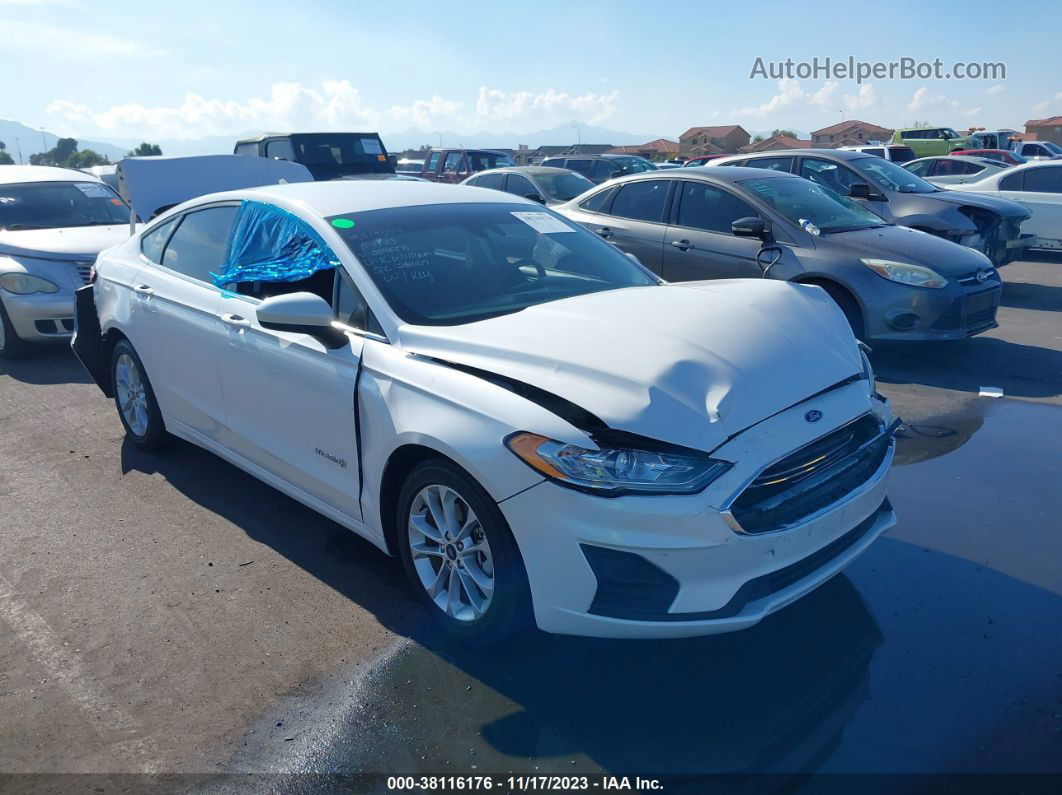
x=460, y=556
x=135, y=399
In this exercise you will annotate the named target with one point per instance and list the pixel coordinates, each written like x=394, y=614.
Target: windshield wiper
x=851, y=228
x=21, y=227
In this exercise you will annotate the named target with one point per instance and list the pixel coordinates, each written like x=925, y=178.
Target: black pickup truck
x=327, y=155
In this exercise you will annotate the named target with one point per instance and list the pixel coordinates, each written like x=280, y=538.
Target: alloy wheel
x=132, y=394
x=450, y=553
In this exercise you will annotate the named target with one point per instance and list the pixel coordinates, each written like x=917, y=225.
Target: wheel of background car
x=135, y=399
x=460, y=556
x=852, y=313
x=11, y=345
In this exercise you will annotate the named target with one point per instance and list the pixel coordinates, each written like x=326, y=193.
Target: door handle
x=235, y=320
x=605, y=232
x=682, y=245
x=143, y=289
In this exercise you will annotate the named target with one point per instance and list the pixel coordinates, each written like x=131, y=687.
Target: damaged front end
x=88, y=343
x=998, y=237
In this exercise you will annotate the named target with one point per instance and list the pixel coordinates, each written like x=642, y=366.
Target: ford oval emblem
x=982, y=276
x=813, y=416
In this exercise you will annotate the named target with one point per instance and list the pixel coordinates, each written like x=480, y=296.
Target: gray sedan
x=892, y=282
x=986, y=223
x=947, y=170
x=542, y=184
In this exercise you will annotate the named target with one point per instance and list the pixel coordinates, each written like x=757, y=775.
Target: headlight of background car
x=26, y=284
x=613, y=471
x=906, y=273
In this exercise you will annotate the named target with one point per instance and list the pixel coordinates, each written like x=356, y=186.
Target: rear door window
x=598, y=202
x=492, y=181
x=153, y=242
x=1044, y=180
x=771, y=163
x=433, y=163
x=453, y=164
x=582, y=166
x=641, y=201
x=199, y=245
x=280, y=150
x=520, y=186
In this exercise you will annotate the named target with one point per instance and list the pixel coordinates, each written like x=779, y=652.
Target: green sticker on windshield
x=342, y=223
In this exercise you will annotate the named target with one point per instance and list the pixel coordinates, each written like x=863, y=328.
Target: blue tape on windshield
x=268, y=244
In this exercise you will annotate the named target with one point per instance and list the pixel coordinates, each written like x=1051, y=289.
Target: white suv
x=541, y=429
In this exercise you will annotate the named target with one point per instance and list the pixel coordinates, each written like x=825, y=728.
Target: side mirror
x=752, y=226
x=301, y=313
x=535, y=198
x=860, y=190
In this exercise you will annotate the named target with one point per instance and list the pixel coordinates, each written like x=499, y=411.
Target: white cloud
x=922, y=100
x=996, y=89
x=1040, y=107
x=333, y=104
x=69, y=43
x=791, y=94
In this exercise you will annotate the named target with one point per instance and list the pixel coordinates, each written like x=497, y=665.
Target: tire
x=12, y=346
x=141, y=416
x=482, y=552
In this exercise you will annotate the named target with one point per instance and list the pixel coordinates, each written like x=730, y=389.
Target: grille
x=813, y=477
x=83, y=272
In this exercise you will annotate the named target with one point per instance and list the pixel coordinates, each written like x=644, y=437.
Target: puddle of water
x=938, y=650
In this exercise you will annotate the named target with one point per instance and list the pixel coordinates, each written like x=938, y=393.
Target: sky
x=189, y=70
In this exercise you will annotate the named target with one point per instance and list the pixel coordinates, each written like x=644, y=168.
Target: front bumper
x=41, y=317
x=697, y=576
x=963, y=309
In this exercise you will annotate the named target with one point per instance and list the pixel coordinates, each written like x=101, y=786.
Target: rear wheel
x=12, y=346
x=135, y=399
x=460, y=556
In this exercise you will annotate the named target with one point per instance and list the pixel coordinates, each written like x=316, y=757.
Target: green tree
x=64, y=148
x=787, y=133
x=921, y=125
x=146, y=150
x=5, y=158
x=84, y=159
x=757, y=139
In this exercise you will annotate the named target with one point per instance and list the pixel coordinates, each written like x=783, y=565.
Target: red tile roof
x=1050, y=121
x=850, y=124
x=713, y=132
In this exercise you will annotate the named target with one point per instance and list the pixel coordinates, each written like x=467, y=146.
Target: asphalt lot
x=168, y=613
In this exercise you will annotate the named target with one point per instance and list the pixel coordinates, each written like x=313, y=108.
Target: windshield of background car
x=481, y=161
x=633, y=165
x=341, y=153
x=563, y=186
x=801, y=201
x=947, y=132
x=446, y=264
x=890, y=176
x=55, y=205
x=1053, y=148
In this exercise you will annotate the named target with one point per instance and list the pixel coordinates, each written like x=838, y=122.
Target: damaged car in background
x=541, y=429
x=985, y=223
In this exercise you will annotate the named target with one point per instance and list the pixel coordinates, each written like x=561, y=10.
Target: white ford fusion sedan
x=540, y=429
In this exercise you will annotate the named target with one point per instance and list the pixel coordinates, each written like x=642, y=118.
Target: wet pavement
x=939, y=650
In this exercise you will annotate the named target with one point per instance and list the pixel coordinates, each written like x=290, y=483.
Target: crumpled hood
x=691, y=363
x=1004, y=207
x=71, y=243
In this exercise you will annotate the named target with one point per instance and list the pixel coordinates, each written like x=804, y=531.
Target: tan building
x=1049, y=129
x=777, y=142
x=712, y=140
x=660, y=149
x=849, y=133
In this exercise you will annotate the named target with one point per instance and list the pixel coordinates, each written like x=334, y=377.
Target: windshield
x=947, y=132
x=801, y=202
x=481, y=161
x=1051, y=147
x=890, y=176
x=633, y=165
x=55, y=205
x=337, y=154
x=445, y=264
x=563, y=186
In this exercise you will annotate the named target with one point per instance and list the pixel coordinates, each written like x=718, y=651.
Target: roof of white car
x=339, y=197
x=12, y=174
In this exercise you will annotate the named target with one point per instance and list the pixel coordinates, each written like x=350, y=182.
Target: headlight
x=614, y=471
x=906, y=273
x=26, y=284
